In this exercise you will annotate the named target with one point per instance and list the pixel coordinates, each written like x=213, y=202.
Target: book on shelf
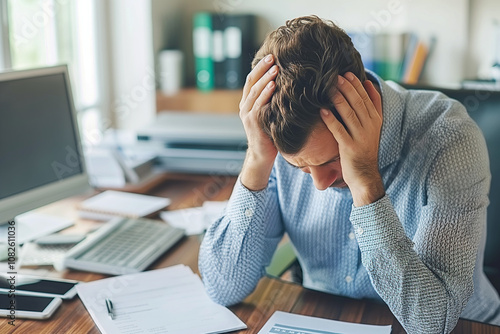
x=202, y=49
x=410, y=48
x=218, y=52
x=415, y=65
x=394, y=56
x=238, y=45
x=430, y=49
x=418, y=57
x=223, y=46
x=389, y=52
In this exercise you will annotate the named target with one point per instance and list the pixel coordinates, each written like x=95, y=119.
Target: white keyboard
x=123, y=246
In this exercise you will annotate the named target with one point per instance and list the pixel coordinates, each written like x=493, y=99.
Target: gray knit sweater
x=419, y=248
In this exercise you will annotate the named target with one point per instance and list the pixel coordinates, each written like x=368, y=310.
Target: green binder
x=202, y=48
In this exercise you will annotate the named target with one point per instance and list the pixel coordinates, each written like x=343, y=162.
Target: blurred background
x=129, y=59
x=157, y=83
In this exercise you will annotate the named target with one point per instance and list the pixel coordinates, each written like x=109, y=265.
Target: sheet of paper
x=195, y=220
x=192, y=220
x=171, y=300
x=32, y=225
x=288, y=323
x=125, y=204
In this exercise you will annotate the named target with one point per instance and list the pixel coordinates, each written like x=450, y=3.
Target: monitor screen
x=39, y=140
x=36, y=134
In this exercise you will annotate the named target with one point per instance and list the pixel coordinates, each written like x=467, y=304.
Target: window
x=50, y=32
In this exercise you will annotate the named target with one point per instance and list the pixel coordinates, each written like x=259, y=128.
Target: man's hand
x=257, y=92
x=360, y=107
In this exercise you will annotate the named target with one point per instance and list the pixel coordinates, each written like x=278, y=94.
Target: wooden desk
x=270, y=295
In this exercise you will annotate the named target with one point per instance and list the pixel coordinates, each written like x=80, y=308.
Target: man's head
x=310, y=53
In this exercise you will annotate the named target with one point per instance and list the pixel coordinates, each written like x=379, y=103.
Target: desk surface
x=270, y=295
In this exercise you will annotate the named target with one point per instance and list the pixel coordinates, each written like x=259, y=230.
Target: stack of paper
x=110, y=204
x=171, y=300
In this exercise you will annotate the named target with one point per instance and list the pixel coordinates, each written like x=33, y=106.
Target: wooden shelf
x=192, y=99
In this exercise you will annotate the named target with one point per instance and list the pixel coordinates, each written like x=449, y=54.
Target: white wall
x=167, y=21
x=481, y=40
x=5, y=61
x=131, y=63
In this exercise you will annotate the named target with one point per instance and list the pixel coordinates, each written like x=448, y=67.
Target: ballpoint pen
x=109, y=306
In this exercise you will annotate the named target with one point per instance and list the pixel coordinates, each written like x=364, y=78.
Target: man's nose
x=322, y=176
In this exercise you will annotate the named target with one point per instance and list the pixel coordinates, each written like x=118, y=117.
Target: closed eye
x=334, y=159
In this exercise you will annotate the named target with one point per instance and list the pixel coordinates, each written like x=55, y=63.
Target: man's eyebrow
x=335, y=158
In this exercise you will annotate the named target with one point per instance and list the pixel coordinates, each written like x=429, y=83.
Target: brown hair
x=310, y=53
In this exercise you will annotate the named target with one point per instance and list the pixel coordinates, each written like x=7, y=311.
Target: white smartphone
x=28, y=307
x=24, y=285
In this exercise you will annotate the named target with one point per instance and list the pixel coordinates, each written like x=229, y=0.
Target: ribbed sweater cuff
x=245, y=205
x=376, y=225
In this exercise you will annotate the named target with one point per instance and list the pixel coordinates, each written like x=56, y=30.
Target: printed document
x=170, y=300
x=288, y=323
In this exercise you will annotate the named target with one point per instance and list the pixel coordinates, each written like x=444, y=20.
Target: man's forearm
x=255, y=172
x=368, y=192
x=424, y=299
x=238, y=245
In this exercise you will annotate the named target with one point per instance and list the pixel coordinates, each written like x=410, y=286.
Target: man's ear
x=374, y=96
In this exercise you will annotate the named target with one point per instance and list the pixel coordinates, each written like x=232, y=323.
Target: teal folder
x=202, y=48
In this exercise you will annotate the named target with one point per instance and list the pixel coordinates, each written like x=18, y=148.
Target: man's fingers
x=345, y=110
x=257, y=72
x=336, y=128
x=256, y=90
x=356, y=95
x=264, y=96
x=374, y=96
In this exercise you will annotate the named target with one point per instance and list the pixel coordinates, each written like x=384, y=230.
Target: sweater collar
x=393, y=105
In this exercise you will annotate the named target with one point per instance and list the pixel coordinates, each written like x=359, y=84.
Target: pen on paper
x=109, y=306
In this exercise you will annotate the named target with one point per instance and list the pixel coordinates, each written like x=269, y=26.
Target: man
x=394, y=206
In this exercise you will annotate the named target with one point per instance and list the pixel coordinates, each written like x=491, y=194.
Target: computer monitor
x=41, y=158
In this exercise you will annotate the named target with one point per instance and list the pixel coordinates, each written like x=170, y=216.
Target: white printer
x=197, y=142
